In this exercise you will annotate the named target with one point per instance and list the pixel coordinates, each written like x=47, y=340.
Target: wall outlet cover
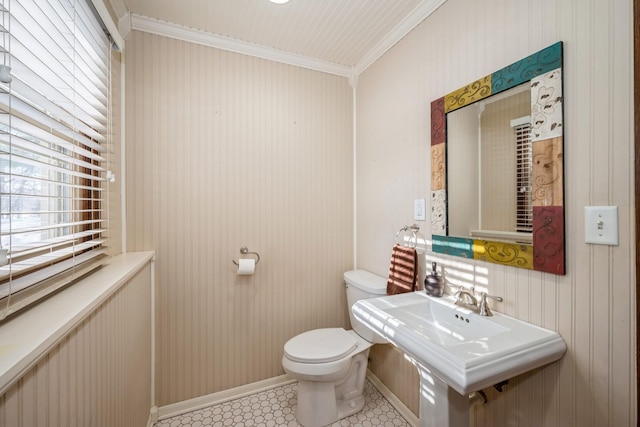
x=419, y=210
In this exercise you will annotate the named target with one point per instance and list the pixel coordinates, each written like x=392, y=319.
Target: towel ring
x=414, y=230
x=245, y=251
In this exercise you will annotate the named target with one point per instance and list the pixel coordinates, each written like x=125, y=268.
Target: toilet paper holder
x=245, y=251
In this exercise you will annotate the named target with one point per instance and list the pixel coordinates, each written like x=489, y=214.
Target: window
x=54, y=121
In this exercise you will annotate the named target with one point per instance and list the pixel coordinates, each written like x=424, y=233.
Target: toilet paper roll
x=246, y=266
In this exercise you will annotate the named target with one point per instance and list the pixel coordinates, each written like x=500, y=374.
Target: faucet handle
x=484, y=308
x=459, y=288
x=468, y=295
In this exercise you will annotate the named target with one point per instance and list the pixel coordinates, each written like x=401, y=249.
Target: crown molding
x=149, y=25
x=124, y=25
x=419, y=14
x=179, y=32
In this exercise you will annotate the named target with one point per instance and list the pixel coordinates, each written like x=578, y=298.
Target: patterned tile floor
x=276, y=408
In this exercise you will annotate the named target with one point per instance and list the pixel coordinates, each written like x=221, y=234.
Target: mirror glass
x=490, y=151
x=496, y=155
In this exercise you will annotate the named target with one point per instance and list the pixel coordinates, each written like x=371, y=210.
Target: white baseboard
x=194, y=404
x=153, y=416
x=406, y=413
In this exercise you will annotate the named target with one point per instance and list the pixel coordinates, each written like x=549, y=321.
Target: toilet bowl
x=330, y=364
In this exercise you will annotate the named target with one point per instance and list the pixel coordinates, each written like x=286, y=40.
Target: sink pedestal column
x=440, y=405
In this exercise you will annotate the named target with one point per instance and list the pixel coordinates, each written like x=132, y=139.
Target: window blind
x=54, y=114
x=524, y=196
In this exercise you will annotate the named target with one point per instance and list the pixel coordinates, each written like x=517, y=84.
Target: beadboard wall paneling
x=592, y=306
x=223, y=151
x=98, y=375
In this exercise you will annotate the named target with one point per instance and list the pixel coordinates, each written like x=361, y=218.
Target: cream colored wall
x=97, y=375
x=592, y=306
x=224, y=151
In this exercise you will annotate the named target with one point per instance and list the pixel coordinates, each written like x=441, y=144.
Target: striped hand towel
x=403, y=272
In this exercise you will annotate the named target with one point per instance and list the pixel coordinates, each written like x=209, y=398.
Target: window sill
x=25, y=338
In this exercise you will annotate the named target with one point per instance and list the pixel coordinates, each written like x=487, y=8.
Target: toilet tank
x=362, y=284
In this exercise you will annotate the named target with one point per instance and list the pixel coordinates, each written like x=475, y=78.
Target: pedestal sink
x=456, y=350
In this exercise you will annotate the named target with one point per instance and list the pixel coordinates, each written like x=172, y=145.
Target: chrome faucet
x=466, y=297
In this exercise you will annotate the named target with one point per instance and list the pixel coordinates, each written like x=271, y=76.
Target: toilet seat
x=320, y=345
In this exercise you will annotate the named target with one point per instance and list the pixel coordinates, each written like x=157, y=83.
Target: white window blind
x=54, y=115
x=524, y=196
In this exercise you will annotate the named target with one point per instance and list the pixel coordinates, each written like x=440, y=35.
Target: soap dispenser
x=433, y=283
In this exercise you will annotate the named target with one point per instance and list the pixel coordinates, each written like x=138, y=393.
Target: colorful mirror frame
x=543, y=70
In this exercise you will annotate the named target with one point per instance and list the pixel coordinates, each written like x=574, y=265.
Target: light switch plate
x=601, y=225
x=419, y=210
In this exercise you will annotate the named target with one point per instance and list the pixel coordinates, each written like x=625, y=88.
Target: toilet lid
x=320, y=345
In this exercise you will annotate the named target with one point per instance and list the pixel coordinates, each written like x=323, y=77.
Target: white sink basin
x=439, y=323
x=467, y=351
x=456, y=350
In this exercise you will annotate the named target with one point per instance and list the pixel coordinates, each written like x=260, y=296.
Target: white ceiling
x=338, y=36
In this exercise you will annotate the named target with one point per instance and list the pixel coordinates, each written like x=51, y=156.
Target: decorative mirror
x=497, y=166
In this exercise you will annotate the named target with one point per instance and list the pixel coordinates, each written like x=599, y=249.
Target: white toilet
x=331, y=364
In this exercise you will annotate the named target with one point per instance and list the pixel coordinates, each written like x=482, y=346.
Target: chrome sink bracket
x=500, y=385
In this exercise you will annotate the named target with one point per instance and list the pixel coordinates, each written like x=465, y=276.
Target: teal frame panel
x=456, y=246
x=524, y=70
